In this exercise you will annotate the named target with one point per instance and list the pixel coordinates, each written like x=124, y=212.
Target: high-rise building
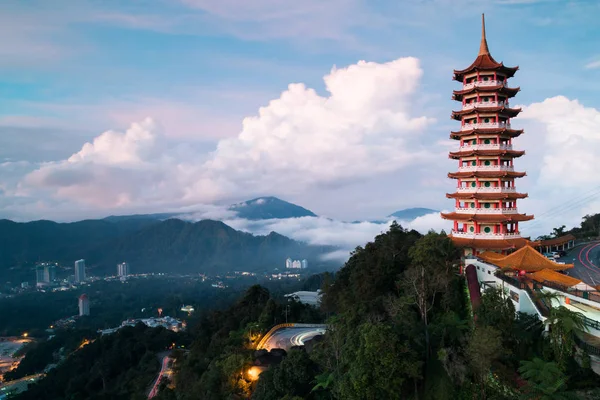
x=79, y=270
x=304, y=264
x=39, y=276
x=84, y=305
x=123, y=270
x=485, y=215
x=288, y=263
x=49, y=273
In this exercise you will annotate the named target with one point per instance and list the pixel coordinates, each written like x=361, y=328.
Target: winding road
x=587, y=263
x=163, y=370
x=286, y=338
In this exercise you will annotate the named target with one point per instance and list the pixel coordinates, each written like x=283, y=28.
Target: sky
x=138, y=106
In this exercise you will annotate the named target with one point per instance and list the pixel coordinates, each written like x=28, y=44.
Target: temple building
x=486, y=217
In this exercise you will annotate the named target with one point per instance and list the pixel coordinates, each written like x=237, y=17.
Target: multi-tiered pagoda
x=486, y=216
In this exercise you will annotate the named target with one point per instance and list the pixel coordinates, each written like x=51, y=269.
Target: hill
x=148, y=245
x=408, y=214
x=269, y=208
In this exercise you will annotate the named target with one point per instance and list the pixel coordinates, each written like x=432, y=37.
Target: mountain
x=408, y=214
x=159, y=217
x=148, y=245
x=268, y=208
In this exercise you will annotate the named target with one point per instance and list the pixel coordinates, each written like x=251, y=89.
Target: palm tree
x=564, y=325
x=545, y=381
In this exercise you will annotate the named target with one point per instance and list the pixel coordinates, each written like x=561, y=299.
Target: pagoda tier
x=500, y=89
x=486, y=216
x=486, y=196
x=485, y=174
x=486, y=129
x=459, y=216
x=473, y=153
x=497, y=244
x=500, y=110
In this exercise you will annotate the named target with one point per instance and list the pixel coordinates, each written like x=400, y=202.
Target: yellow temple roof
x=548, y=275
x=525, y=259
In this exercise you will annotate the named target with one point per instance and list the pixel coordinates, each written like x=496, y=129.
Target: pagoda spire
x=483, y=47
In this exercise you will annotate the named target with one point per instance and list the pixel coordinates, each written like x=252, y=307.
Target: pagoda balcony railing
x=489, y=146
x=495, y=211
x=498, y=236
x=485, y=125
x=467, y=86
x=471, y=168
x=483, y=189
x=477, y=104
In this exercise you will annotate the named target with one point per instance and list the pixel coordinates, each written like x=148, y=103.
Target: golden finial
x=483, y=48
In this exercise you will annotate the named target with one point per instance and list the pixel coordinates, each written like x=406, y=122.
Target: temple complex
x=486, y=217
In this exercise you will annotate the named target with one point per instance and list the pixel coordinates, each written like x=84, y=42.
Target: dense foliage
x=118, y=366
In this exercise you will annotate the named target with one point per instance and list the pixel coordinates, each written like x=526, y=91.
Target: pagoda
x=485, y=216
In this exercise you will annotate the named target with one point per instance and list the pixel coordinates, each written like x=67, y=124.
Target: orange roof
x=510, y=112
x=486, y=174
x=525, y=259
x=490, y=255
x=548, y=275
x=513, y=133
x=454, y=216
x=469, y=153
x=487, y=196
x=500, y=89
x=557, y=241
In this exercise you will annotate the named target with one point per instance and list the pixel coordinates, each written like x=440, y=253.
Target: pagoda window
x=487, y=162
x=487, y=184
x=474, y=142
x=486, y=99
x=473, y=163
x=486, y=205
x=486, y=120
x=485, y=78
x=472, y=229
x=473, y=184
x=486, y=141
x=472, y=205
x=487, y=229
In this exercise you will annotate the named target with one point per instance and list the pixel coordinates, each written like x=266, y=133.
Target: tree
x=564, y=325
x=484, y=347
x=560, y=231
x=545, y=380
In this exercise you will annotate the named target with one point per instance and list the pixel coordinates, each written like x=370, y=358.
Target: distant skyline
x=154, y=106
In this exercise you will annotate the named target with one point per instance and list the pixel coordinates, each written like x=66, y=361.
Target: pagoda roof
x=486, y=174
x=484, y=60
x=550, y=275
x=487, y=217
x=513, y=133
x=487, y=196
x=509, y=112
x=492, y=244
x=557, y=241
x=500, y=89
x=525, y=259
x=469, y=153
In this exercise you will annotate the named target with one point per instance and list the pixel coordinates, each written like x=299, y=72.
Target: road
x=587, y=263
x=19, y=385
x=164, y=370
x=285, y=338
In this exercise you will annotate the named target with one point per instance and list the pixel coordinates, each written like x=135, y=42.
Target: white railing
x=483, y=189
x=482, y=84
x=489, y=146
x=477, y=104
x=494, y=211
x=499, y=236
x=485, y=125
x=471, y=168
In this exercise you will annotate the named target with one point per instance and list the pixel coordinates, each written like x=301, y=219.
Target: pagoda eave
x=487, y=196
x=454, y=216
x=470, y=153
x=504, y=111
x=512, y=133
x=486, y=174
x=491, y=244
x=500, y=89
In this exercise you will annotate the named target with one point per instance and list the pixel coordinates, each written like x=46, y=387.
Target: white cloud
x=300, y=140
x=592, y=65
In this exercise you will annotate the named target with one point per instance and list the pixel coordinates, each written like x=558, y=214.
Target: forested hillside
x=147, y=245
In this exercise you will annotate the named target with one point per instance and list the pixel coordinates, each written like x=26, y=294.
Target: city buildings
x=49, y=273
x=295, y=264
x=84, y=305
x=79, y=271
x=486, y=215
x=39, y=276
x=123, y=270
x=166, y=322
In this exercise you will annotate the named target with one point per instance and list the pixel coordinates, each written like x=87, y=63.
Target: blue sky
x=70, y=70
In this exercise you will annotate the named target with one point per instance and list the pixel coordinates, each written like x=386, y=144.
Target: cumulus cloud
x=301, y=140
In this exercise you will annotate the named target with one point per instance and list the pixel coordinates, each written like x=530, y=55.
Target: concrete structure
x=561, y=243
x=123, y=270
x=288, y=263
x=79, y=271
x=312, y=298
x=49, y=273
x=84, y=305
x=304, y=264
x=485, y=200
x=39, y=276
x=166, y=322
x=295, y=264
